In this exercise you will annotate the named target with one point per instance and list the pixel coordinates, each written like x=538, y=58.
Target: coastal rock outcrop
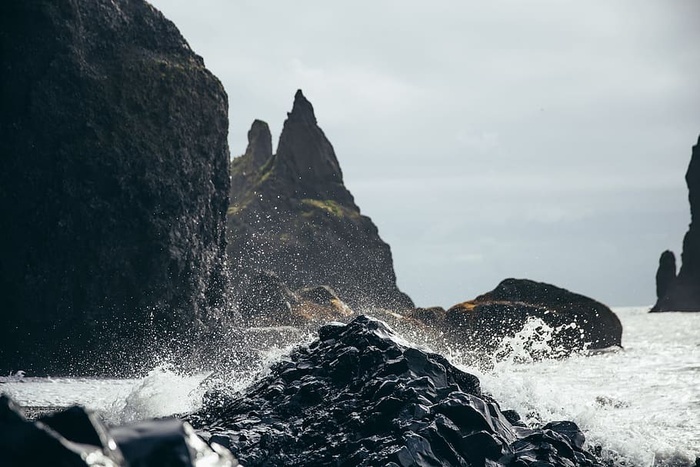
x=291, y=214
x=358, y=396
x=576, y=322
x=682, y=292
x=115, y=183
x=666, y=274
x=267, y=301
x=77, y=437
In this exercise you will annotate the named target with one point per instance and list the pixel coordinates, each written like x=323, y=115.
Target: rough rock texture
x=578, y=322
x=290, y=214
x=267, y=301
x=76, y=437
x=358, y=397
x=114, y=184
x=682, y=292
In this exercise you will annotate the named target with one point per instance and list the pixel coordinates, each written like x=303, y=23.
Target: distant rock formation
x=666, y=274
x=577, y=322
x=115, y=183
x=682, y=292
x=358, y=395
x=291, y=215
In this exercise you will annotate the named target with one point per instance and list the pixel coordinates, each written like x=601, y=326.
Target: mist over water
x=640, y=404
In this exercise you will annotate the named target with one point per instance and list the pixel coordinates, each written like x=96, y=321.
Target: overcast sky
x=487, y=139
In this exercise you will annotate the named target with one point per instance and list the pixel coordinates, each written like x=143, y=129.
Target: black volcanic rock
x=291, y=214
x=682, y=292
x=358, y=397
x=76, y=437
x=114, y=185
x=577, y=322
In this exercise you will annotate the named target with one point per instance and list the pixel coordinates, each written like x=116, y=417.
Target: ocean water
x=641, y=404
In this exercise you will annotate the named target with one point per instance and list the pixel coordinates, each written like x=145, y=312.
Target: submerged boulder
x=113, y=136
x=358, y=396
x=682, y=292
x=577, y=322
x=292, y=215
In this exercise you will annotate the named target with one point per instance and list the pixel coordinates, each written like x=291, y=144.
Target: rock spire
x=682, y=292
x=291, y=215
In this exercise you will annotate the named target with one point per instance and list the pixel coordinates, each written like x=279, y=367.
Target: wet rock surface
x=76, y=437
x=682, y=292
x=577, y=322
x=267, y=301
x=292, y=215
x=114, y=185
x=360, y=396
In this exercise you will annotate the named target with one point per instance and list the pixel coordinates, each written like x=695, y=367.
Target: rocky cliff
x=114, y=184
x=291, y=215
x=682, y=292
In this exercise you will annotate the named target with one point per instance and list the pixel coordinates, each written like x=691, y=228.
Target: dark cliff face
x=292, y=215
x=682, y=292
x=114, y=183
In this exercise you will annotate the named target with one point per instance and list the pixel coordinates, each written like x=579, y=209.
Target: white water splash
x=640, y=404
x=534, y=342
x=163, y=392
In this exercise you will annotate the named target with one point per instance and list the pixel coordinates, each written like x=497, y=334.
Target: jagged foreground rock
x=291, y=215
x=358, y=397
x=114, y=185
x=77, y=437
x=682, y=292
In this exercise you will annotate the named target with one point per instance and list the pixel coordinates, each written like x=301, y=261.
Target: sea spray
x=638, y=405
x=534, y=342
x=164, y=391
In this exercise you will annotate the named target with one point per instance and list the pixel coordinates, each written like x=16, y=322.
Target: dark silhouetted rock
x=114, y=186
x=682, y=292
x=76, y=437
x=666, y=274
x=358, y=397
x=291, y=214
x=577, y=322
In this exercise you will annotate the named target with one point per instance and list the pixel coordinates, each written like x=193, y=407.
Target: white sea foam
x=640, y=404
x=163, y=392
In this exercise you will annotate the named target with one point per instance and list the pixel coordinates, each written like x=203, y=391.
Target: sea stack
x=682, y=292
x=291, y=215
x=115, y=186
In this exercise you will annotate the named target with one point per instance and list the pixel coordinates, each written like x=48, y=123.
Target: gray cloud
x=544, y=139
